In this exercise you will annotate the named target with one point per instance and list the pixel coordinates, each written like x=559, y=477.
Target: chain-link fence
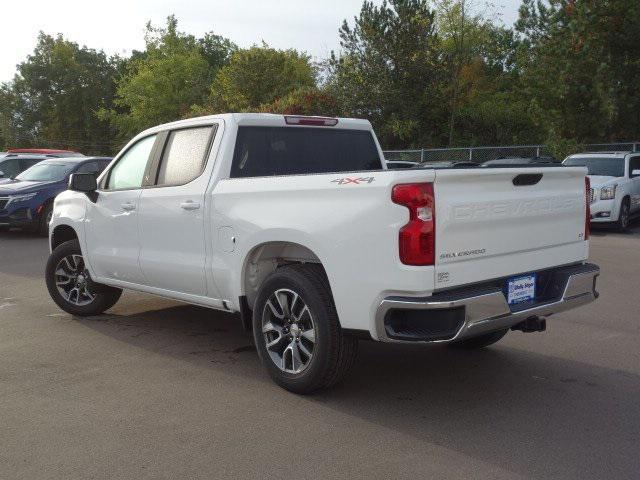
x=613, y=147
x=484, y=154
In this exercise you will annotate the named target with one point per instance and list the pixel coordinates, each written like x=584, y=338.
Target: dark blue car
x=13, y=164
x=27, y=200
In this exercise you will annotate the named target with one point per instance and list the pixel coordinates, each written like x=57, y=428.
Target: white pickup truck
x=295, y=223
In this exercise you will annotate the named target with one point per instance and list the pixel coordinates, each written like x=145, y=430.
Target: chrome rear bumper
x=486, y=311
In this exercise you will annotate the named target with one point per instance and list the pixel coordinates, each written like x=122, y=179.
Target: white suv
x=615, y=185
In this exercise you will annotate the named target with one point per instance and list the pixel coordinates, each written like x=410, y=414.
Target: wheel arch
x=265, y=258
x=62, y=233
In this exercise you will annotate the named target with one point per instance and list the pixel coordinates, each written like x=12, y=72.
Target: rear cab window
x=270, y=151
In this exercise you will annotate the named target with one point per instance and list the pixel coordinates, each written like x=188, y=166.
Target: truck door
x=172, y=213
x=112, y=237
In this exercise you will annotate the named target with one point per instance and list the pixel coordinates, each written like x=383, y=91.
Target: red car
x=46, y=151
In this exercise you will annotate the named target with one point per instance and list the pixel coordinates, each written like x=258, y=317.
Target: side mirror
x=634, y=173
x=85, y=183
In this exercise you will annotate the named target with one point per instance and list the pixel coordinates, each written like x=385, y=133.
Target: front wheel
x=70, y=284
x=624, y=216
x=297, y=333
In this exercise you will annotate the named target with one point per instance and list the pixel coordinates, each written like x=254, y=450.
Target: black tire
x=334, y=353
x=622, y=224
x=43, y=223
x=480, y=341
x=104, y=297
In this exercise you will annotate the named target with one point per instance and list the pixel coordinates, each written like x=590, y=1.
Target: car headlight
x=607, y=193
x=22, y=198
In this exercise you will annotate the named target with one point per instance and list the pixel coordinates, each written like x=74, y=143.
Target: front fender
x=69, y=208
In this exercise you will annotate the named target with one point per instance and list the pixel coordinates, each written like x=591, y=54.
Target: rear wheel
x=480, y=341
x=70, y=285
x=297, y=333
x=624, y=216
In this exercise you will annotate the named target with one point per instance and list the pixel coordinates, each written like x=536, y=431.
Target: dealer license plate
x=521, y=289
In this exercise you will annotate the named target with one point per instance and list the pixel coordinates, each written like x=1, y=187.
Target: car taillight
x=587, y=216
x=417, y=239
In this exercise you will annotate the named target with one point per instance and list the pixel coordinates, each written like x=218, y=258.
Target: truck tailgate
x=492, y=223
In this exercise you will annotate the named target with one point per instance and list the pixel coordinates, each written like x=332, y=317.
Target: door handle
x=128, y=206
x=190, y=205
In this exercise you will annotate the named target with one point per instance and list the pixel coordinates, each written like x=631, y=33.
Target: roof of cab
x=257, y=119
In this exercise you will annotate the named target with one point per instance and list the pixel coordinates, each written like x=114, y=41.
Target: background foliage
x=427, y=73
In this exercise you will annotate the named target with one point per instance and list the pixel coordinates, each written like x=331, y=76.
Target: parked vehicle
x=513, y=161
x=296, y=223
x=12, y=164
x=52, y=152
x=27, y=200
x=395, y=164
x=615, y=185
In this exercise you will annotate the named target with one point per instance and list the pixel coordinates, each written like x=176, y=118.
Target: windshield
x=46, y=172
x=606, y=166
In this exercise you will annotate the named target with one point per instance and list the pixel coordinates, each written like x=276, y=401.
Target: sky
x=117, y=26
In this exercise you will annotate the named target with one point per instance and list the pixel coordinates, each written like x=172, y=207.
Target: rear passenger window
x=634, y=164
x=89, y=167
x=265, y=151
x=27, y=163
x=10, y=168
x=102, y=165
x=184, y=155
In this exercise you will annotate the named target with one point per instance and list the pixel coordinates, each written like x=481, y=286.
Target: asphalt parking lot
x=156, y=389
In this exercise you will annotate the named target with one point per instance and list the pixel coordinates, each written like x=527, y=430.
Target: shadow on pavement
x=602, y=231
x=22, y=253
x=505, y=406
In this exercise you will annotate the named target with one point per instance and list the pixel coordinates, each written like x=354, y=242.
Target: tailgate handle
x=526, y=179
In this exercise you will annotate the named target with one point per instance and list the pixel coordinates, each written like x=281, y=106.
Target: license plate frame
x=521, y=289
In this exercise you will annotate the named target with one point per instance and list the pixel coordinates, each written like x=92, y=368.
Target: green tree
x=304, y=101
x=259, y=76
x=580, y=66
x=8, y=118
x=480, y=56
x=166, y=81
x=390, y=72
x=53, y=98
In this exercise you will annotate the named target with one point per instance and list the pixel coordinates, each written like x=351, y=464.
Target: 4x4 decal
x=357, y=181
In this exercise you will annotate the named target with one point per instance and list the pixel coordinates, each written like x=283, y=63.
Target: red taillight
x=417, y=239
x=587, y=216
x=313, y=121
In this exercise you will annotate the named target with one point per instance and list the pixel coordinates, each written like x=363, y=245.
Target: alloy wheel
x=624, y=216
x=289, y=331
x=72, y=280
